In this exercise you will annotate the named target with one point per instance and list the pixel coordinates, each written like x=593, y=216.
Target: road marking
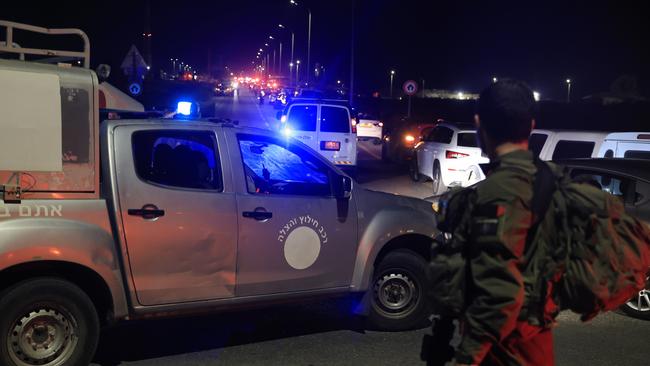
x=259, y=110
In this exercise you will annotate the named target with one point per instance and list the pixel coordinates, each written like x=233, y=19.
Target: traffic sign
x=135, y=89
x=410, y=87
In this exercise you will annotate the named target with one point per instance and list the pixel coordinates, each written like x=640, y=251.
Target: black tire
x=400, y=278
x=414, y=169
x=639, y=306
x=436, y=180
x=54, y=315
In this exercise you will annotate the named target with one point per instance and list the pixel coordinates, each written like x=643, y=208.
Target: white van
x=325, y=126
x=634, y=145
x=565, y=144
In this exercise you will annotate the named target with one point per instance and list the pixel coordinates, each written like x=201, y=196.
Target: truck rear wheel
x=47, y=322
x=398, y=288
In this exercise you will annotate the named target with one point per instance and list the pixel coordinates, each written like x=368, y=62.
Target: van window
x=637, y=154
x=302, y=117
x=567, y=149
x=334, y=119
x=536, y=143
x=467, y=139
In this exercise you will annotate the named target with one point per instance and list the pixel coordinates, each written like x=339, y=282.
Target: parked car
x=324, y=125
x=565, y=144
x=628, y=179
x=449, y=155
x=189, y=217
x=626, y=145
x=398, y=142
x=369, y=127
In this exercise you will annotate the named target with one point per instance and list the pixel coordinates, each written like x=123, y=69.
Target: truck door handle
x=257, y=215
x=147, y=212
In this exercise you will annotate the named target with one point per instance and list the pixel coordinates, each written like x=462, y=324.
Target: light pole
x=280, y=61
x=568, y=90
x=297, y=71
x=281, y=26
x=392, y=75
x=290, y=73
x=295, y=3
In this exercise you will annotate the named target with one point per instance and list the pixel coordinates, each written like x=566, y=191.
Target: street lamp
x=295, y=3
x=536, y=96
x=281, y=26
x=494, y=79
x=568, y=90
x=392, y=75
x=290, y=72
x=297, y=71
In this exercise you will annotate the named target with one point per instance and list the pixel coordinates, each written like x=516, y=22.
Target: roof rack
x=10, y=46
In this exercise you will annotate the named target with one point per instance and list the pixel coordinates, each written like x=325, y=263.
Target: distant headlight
x=409, y=138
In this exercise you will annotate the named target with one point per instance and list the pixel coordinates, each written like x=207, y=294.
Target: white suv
x=449, y=155
x=559, y=144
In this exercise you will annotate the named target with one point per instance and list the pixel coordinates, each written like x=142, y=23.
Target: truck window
x=302, y=117
x=536, y=143
x=175, y=158
x=275, y=167
x=334, y=119
x=567, y=149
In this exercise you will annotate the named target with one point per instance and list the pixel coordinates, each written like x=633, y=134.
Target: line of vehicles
x=141, y=216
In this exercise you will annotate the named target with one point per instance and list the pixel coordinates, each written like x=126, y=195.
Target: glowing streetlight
x=568, y=90
x=392, y=76
x=536, y=95
x=494, y=79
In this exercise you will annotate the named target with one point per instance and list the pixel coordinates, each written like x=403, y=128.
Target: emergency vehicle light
x=184, y=108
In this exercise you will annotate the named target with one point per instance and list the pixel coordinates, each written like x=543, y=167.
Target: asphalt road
x=326, y=333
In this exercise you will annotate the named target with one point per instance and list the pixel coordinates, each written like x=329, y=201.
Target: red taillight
x=455, y=154
x=330, y=145
x=353, y=122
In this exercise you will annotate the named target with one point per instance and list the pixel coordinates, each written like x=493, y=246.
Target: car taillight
x=330, y=145
x=353, y=122
x=455, y=155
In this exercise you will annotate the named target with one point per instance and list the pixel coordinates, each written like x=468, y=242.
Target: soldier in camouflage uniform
x=495, y=326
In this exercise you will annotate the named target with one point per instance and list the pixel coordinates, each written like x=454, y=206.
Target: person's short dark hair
x=506, y=109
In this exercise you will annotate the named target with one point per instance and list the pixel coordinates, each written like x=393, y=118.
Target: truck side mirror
x=278, y=116
x=103, y=72
x=342, y=187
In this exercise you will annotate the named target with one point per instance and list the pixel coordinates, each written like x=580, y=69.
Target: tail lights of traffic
x=330, y=145
x=353, y=123
x=449, y=154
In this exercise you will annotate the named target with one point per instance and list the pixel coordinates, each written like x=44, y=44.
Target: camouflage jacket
x=495, y=228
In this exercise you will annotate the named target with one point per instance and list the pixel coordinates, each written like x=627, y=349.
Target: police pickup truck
x=132, y=219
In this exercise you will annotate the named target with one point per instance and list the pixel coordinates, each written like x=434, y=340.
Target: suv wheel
x=639, y=306
x=398, y=288
x=436, y=179
x=47, y=322
x=414, y=170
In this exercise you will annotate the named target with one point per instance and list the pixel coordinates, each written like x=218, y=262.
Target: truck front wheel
x=398, y=301
x=49, y=322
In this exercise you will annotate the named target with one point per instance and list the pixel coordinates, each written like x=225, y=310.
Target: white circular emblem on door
x=302, y=247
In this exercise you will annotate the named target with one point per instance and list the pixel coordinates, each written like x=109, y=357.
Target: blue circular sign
x=135, y=89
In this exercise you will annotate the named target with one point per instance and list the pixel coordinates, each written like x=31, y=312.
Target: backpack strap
x=544, y=186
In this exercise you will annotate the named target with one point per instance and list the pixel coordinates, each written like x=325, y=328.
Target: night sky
x=457, y=45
